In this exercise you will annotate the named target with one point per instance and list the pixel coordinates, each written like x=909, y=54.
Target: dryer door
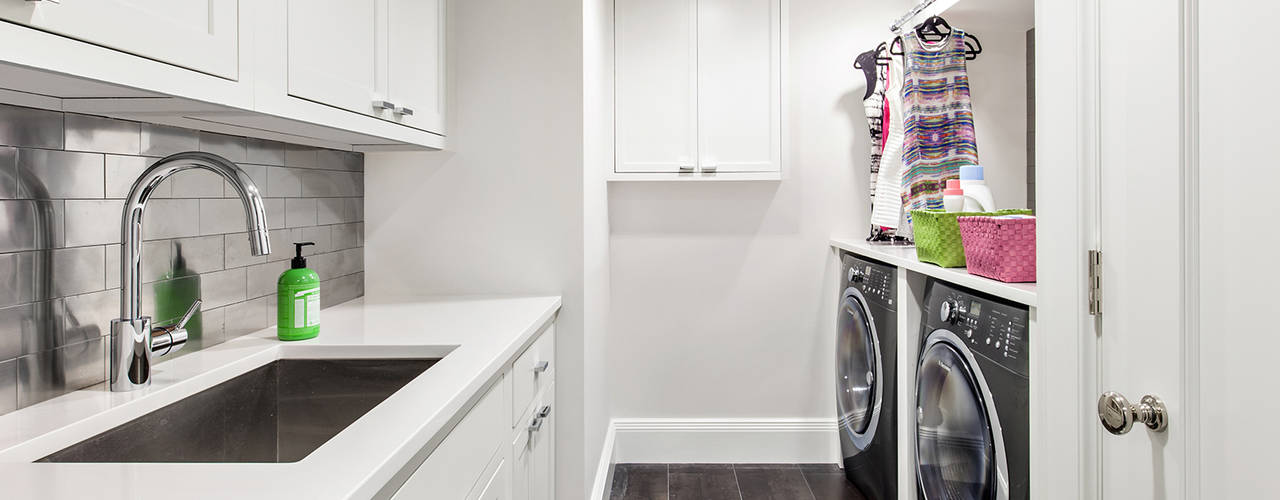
x=959, y=447
x=858, y=371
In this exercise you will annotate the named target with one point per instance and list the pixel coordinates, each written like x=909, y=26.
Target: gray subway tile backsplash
x=163, y=140
x=31, y=128
x=63, y=179
x=103, y=135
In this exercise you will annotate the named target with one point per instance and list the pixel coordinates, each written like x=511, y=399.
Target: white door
x=655, y=47
x=202, y=35
x=1186, y=216
x=739, y=85
x=333, y=52
x=415, y=62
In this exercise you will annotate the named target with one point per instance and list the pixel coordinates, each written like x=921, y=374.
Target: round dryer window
x=954, y=446
x=858, y=370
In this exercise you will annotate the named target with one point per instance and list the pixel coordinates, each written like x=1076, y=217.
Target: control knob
x=948, y=313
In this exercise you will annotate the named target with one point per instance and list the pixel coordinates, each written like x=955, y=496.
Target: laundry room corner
x=721, y=331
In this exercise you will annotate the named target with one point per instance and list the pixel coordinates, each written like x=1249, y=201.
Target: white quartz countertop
x=475, y=336
x=905, y=258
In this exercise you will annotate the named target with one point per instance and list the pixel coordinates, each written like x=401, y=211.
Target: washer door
x=858, y=370
x=959, y=446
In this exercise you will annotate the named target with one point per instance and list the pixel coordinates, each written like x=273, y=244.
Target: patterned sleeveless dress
x=939, y=119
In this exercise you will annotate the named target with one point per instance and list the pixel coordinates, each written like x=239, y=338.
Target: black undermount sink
x=277, y=413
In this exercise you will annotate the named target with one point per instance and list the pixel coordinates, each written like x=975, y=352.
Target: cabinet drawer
x=531, y=372
x=454, y=468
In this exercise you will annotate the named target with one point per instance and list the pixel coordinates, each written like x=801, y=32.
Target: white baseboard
x=739, y=440
x=604, y=469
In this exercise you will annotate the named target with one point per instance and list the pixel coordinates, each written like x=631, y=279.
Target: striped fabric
x=939, y=119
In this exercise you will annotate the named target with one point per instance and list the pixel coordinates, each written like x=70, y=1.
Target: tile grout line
x=668, y=466
x=805, y=477
x=736, y=483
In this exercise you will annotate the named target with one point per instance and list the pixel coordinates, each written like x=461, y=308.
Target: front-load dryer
x=866, y=350
x=972, y=396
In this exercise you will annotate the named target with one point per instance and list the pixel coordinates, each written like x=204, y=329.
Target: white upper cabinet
x=656, y=85
x=415, y=62
x=380, y=58
x=361, y=74
x=698, y=89
x=332, y=52
x=203, y=35
x=739, y=86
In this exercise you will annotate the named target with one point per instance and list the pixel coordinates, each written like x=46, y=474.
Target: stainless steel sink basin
x=279, y=412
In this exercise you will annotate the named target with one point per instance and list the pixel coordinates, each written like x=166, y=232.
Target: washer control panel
x=876, y=281
x=992, y=327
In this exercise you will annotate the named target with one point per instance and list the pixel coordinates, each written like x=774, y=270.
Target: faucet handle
x=170, y=339
x=195, y=307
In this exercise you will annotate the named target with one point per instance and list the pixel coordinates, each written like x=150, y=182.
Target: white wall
x=501, y=212
x=597, y=62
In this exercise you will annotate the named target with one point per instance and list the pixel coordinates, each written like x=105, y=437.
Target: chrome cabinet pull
x=1118, y=415
x=541, y=367
x=404, y=110
x=539, y=418
x=384, y=105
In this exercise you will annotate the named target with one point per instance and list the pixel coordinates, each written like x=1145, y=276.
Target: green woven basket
x=938, y=234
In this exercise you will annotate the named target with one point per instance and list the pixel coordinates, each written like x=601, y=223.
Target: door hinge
x=1095, y=282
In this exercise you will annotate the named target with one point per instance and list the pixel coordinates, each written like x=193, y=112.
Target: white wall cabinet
x=332, y=52
x=381, y=58
x=490, y=456
x=415, y=62
x=202, y=35
x=698, y=89
x=300, y=71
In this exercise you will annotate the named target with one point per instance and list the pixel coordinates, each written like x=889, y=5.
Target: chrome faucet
x=133, y=340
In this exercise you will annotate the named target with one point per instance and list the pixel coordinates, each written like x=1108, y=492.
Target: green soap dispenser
x=298, y=300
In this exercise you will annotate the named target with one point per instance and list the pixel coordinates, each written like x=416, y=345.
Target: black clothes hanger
x=866, y=62
x=931, y=30
x=882, y=54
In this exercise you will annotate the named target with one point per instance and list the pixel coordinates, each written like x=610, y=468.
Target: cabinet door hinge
x=1095, y=282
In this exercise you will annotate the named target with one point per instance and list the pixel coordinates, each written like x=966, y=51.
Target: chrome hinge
x=1095, y=282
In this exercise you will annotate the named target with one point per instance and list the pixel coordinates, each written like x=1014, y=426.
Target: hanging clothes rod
x=911, y=14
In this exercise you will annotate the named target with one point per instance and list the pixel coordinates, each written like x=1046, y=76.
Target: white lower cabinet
x=487, y=457
x=496, y=483
x=533, y=467
x=452, y=470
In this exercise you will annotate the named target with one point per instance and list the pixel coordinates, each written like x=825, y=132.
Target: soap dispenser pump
x=298, y=300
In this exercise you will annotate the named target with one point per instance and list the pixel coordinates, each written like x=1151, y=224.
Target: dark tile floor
x=731, y=482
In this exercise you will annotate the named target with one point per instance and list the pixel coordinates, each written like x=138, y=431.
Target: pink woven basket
x=1000, y=248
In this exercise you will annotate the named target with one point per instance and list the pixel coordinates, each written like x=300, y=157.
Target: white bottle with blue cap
x=977, y=196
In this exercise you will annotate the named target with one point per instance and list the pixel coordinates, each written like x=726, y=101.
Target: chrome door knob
x=1118, y=415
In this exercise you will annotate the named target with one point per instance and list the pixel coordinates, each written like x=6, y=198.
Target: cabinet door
x=202, y=35
x=498, y=484
x=655, y=84
x=534, y=468
x=739, y=85
x=415, y=62
x=459, y=463
x=332, y=46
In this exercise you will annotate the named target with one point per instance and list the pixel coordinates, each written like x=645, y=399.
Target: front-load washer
x=866, y=350
x=972, y=396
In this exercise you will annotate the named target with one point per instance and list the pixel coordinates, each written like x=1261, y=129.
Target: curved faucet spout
x=134, y=341
x=136, y=204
